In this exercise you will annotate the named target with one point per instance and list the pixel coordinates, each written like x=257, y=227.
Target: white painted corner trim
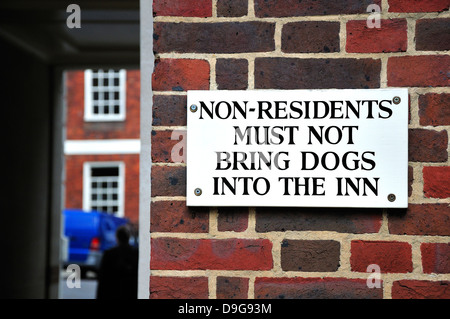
x=102, y=147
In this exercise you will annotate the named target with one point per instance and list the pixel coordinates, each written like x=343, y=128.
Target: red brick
x=390, y=37
x=176, y=217
x=232, y=8
x=421, y=219
x=168, y=181
x=390, y=256
x=294, y=73
x=218, y=254
x=291, y=8
x=418, y=5
x=342, y=220
x=436, y=181
x=435, y=258
x=433, y=34
x=419, y=71
x=232, y=288
x=434, y=109
x=427, y=145
x=180, y=75
x=169, y=110
x=232, y=219
x=178, y=287
x=314, y=288
x=420, y=289
x=184, y=8
x=220, y=37
x=310, y=37
x=310, y=255
x=232, y=74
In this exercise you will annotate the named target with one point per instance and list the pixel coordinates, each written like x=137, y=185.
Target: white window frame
x=89, y=115
x=87, y=168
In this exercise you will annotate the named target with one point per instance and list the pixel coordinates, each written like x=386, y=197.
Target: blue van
x=89, y=235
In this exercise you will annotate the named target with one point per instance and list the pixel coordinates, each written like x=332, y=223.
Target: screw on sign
x=396, y=100
x=391, y=197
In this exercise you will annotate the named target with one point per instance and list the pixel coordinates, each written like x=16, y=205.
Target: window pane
x=106, y=88
x=105, y=189
x=105, y=171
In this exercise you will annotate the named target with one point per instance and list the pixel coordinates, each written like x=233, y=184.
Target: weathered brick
x=162, y=145
x=342, y=220
x=390, y=256
x=390, y=37
x=310, y=255
x=232, y=74
x=418, y=5
x=180, y=75
x=421, y=219
x=169, y=110
x=434, y=109
x=218, y=254
x=176, y=217
x=435, y=258
x=436, y=181
x=420, y=289
x=433, y=34
x=220, y=37
x=232, y=288
x=232, y=8
x=184, y=8
x=168, y=181
x=291, y=8
x=293, y=73
x=310, y=37
x=232, y=219
x=427, y=145
x=314, y=288
x=178, y=287
x=425, y=70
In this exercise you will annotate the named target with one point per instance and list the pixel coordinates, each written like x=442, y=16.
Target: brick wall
x=246, y=252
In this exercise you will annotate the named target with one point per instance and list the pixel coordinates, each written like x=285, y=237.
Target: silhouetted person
x=117, y=276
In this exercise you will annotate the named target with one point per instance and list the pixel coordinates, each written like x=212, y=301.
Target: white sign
x=310, y=148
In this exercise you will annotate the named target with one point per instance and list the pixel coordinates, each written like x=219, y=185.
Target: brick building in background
x=102, y=141
x=300, y=252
